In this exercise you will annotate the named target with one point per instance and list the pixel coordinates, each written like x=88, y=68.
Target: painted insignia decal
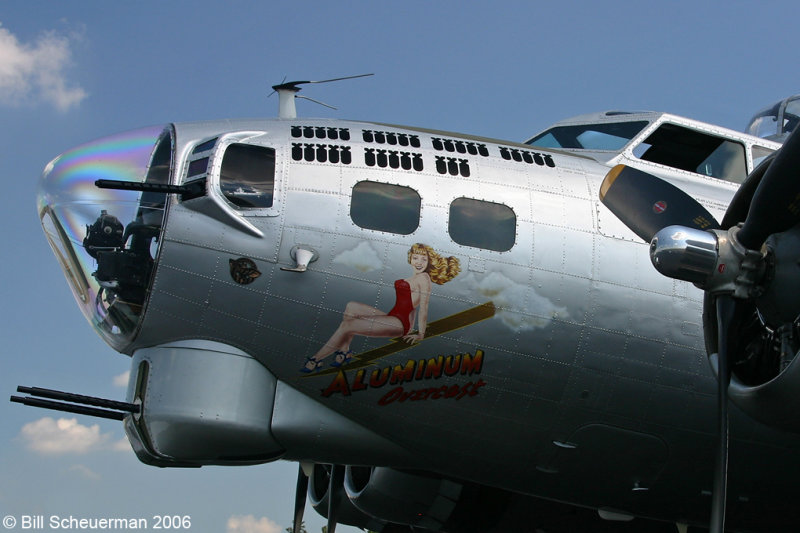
x=411, y=306
x=244, y=270
x=444, y=325
x=413, y=370
x=398, y=325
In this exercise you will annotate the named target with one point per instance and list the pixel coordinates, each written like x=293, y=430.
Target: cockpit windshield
x=603, y=136
x=106, y=240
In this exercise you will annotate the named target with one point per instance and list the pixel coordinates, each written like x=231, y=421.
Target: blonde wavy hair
x=440, y=269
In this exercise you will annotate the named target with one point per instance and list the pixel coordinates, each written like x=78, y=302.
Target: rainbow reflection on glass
x=69, y=205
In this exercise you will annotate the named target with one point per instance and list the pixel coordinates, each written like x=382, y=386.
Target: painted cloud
x=509, y=298
x=363, y=258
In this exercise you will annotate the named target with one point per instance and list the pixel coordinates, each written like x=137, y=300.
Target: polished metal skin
x=572, y=371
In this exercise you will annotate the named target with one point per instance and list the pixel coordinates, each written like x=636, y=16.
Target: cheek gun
x=75, y=403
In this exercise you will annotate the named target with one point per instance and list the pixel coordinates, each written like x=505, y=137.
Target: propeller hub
x=684, y=253
x=714, y=260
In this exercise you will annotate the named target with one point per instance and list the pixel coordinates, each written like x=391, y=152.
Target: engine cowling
x=765, y=376
x=401, y=497
x=349, y=514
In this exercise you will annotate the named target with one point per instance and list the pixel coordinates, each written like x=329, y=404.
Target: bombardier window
x=385, y=207
x=608, y=136
x=247, y=177
x=482, y=224
x=687, y=149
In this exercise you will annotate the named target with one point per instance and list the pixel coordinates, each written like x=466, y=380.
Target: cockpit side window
x=759, y=154
x=687, y=149
x=247, y=175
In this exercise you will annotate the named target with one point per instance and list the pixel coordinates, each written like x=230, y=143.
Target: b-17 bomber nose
x=106, y=240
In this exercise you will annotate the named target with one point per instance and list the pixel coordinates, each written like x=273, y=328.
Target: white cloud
x=36, y=72
x=84, y=472
x=249, y=524
x=363, y=258
x=509, y=296
x=65, y=435
x=122, y=445
x=122, y=379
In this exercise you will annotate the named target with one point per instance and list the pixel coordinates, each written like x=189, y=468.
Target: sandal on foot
x=312, y=365
x=341, y=358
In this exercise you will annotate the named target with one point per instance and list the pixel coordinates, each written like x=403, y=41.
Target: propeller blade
x=300, y=499
x=647, y=204
x=776, y=202
x=729, y=318
x=335, y=495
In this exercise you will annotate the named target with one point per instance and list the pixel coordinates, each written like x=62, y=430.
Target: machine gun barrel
x=79, y=399
x=187, y=192
x=70, y=408
x=75, y=403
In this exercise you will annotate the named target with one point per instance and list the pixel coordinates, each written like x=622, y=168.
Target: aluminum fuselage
x=591, y=384
x=553, y=361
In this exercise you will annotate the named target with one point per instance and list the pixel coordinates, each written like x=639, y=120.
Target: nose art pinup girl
x=413, y=295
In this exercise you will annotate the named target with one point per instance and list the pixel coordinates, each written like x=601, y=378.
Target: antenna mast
x=287, y=92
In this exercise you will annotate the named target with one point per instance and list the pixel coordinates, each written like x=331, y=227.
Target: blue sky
x=71, y=72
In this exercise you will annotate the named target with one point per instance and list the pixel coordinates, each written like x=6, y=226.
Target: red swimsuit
x=403, y=307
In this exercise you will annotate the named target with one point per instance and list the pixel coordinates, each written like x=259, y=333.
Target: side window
x=247, y=176
x=481, y=224
x=384, y=207
x=694, y=151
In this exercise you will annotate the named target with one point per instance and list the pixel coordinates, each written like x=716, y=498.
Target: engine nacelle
x=319, y=496
x=765, y=384
x=401, y=497
x=202, y=403
x=774, y=403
